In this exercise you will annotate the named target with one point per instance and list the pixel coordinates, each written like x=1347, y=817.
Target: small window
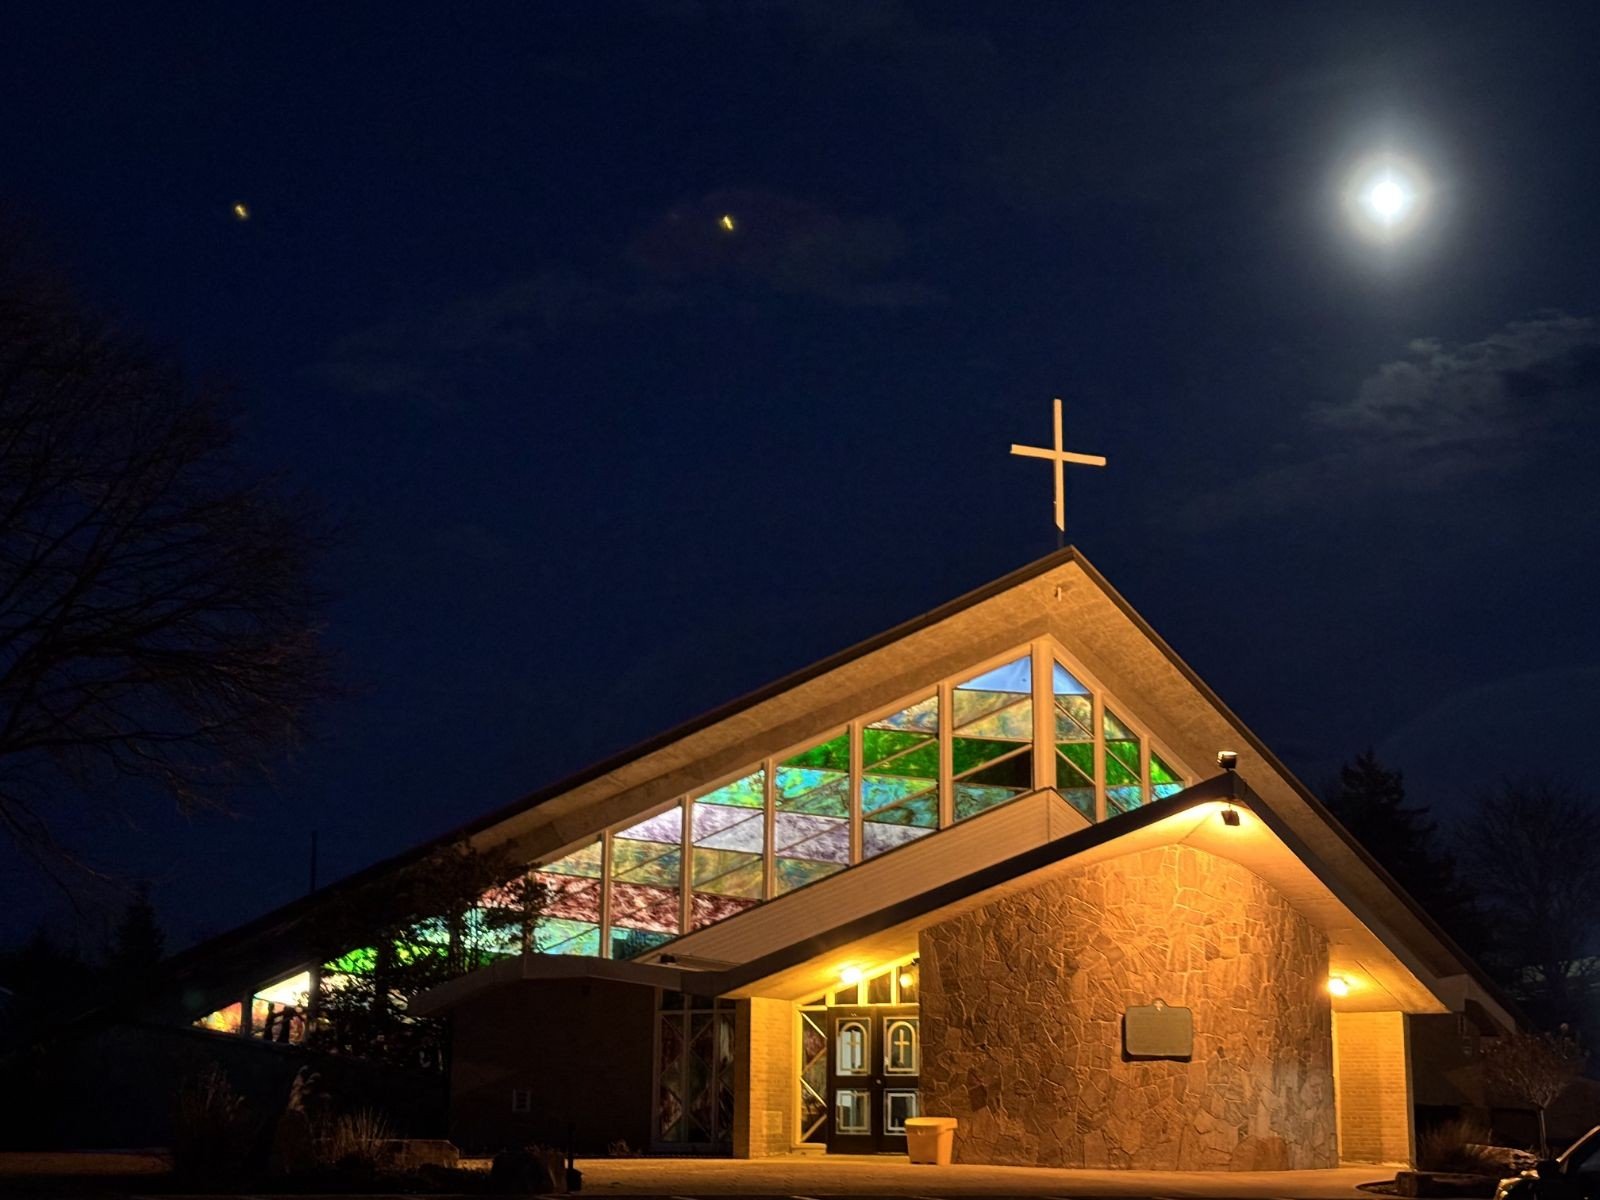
x=851, y=1042
x=900, y=1047
x=898, y=1105
x=852, y=1111
x=521, y=1100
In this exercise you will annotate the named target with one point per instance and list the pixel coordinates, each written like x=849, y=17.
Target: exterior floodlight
x=850, y=975
x=1228, y=760
x=1338, y=985
x=1230, y=817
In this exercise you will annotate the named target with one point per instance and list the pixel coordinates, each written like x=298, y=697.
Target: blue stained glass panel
x=922, y=716
x=556, y=935
x=720, y=827
x=1014, y=676
x=803, y=835
x=826, y=793
x=880, y=791
x=748, y=792
x=1066, y=683
x=974, y=798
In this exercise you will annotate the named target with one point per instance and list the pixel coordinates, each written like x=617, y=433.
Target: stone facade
x=1022, y=1005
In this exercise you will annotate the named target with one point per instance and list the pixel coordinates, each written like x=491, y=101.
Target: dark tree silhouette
x=1533, y=1069
x=1530, y=844
x=158, y=625
x=1370, y=801
x=137, y=943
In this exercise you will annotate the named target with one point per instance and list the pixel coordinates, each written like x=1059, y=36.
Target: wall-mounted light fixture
x=1230, y=817
x=850, y=975
x=1338, y=985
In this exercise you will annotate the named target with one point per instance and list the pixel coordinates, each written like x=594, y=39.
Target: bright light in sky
x=1386, y=197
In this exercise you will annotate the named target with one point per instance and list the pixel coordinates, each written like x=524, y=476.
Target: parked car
x=1573, y=1176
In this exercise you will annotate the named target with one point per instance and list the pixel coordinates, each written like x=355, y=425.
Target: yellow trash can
x=931, y=1139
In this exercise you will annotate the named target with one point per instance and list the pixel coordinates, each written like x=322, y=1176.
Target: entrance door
x=874, y=1057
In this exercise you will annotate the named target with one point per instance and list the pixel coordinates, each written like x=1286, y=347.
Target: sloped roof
x=1060, y=595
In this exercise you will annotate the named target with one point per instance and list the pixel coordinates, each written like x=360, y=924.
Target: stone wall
x=1022, y=1005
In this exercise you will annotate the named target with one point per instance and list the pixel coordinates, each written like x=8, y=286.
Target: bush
x=1457, y=1146
x=356, y=1139
x=214, y=1131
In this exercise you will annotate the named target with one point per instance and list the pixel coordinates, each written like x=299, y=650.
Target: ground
x=806, y=1177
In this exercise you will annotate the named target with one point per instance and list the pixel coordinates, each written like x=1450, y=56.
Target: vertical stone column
x=1372, y=1086
x=765, y=1079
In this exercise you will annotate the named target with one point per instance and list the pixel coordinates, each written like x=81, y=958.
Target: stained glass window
x=1074, y=738
x=694, y=1074
x=278, y=1011
x=991, y=746
x=224, y=1020
x=813, y=1075
x=569, y=922
x=811, y=819
x=900, y=777
x=1164, y=781
x=646, y=883
x=728, y=832
x=1124, y=788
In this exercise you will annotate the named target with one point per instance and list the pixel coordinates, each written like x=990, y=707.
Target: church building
x=1012, y=862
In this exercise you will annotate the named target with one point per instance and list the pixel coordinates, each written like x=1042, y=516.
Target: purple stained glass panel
x=663, y=827
x=641, y=906
x=721, y=827
x=802, y=835
x=876, y=837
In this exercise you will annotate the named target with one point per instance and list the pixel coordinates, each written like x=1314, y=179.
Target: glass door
x=874, y=1059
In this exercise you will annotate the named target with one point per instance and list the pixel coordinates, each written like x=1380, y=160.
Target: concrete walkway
x=849, y=1175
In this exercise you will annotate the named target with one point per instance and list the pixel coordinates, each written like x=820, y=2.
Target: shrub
x=356, y=1139
x=1456, y=1146
x=214, y=1130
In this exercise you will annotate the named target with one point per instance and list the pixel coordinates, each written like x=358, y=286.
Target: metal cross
x=1059, y=458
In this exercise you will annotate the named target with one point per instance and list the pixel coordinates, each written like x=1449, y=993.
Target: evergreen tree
x=1370, y=801
x=137, y=943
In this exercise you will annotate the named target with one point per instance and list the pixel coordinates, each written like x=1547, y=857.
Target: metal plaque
x=1158, y=1031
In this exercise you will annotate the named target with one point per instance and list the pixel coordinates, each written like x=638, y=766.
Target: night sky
x=601, y=463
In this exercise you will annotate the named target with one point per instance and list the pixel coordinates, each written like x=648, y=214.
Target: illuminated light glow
x=1338, y=985
x=727, y=222
x=241, y=211
x=905, y=979
x=1386, y=197
x=850, y=975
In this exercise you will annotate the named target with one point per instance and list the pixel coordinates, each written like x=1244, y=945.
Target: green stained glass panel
x=646, y=862
x=970, y=753
x=353, y=962
x=1070, y=771
x=1116, y=731
x=831, y=755
x=1013, y=724
x=748, y=792
x=879, y=744
x=1117, y=772
x=1160, y=772
x=1080, y=798
x=922, y=762
x=881, y=791
x=1074, y=719
x=797, y=872
x=824, y=793
x=584, y=863
x=630, y=943
x=728, y=873
x=1015, y=772
x=556, y=935
x=923, y=715
x=974, y=706
x=972, y=799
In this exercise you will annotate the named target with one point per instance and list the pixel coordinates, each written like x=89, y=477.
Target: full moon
x=1386, y=197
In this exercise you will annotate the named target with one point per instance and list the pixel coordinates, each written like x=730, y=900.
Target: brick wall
x=764, y=1117
x=1372, y=1068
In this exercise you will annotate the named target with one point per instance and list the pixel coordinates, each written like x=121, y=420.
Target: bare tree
x=158, y=623
x=1530, y=847
x=1533, y=1068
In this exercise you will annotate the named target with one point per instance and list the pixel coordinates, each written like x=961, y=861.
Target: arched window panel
x=811, y=821
x=900, y=777
x=1124, y=787
x=728, y=832
x=569, y=918
x=992, y=737
x=1164, y=781
x=1074, y=740
x=646, y=883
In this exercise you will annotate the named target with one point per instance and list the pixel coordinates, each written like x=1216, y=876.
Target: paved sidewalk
x=849, y=1175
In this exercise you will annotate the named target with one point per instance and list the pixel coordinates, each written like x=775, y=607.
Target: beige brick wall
x=1372, y=1080
x=764, y=1092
